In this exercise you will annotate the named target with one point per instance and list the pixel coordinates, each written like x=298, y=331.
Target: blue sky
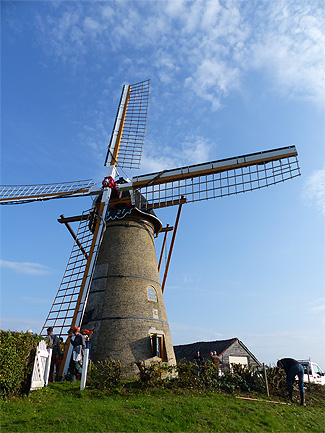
x=227, y=78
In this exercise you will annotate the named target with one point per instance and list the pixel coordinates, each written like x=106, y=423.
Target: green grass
x=61, y=407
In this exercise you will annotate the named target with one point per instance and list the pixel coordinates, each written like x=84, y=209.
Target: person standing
x=79, y=345
x=215, y=359
x=58, y=360
x=52, y=342
x=199, y=360
x=292, y=369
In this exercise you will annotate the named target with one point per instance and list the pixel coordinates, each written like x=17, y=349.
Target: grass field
x=61, y=407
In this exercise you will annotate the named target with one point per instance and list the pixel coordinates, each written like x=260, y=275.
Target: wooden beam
x=64, y=220
x=166, y=203
x=120, y=131
x=163, y=247
x=75, y=237
x=171, y=247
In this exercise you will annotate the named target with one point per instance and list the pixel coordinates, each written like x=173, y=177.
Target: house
x=231, y=351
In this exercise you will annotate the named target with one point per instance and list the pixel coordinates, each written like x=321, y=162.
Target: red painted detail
x=109, y=182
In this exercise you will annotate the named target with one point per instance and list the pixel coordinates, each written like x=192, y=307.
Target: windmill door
x=41, y=366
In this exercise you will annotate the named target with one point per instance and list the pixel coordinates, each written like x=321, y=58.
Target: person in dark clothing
x=199, y=359
x=79, y=345
x=52, y=342
x=292, y=369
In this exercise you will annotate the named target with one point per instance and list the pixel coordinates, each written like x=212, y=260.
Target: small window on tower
x=152, y=294
x=157, y=344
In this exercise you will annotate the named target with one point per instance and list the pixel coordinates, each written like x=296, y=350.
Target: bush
x=248, y=378
x=154, y=372
x=104, y=375
x=16, y=362
x=276, y=378
x=241, y=378
x=188, y=374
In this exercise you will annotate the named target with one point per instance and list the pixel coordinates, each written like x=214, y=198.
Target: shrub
x=154, y=372
x=248, y=378
x=241, y=378
x=276, y=378
x=16, y=362
x=191, y=376
x=104, y=375
x=187, y=374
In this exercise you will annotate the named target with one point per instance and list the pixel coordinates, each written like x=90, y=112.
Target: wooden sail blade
x=15, y=194
x=218, y=178
x=125, y=147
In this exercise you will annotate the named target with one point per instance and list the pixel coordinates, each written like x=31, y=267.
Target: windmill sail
x=66, y=300
x=15, y=194
x=129, y=129
x=217, y=179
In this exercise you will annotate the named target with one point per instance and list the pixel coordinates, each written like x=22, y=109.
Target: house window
x=157, y=344
x=242, y=360
x=152, y=294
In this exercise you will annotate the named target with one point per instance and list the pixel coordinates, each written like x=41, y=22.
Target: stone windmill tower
x=125, y=307
x=111, y=284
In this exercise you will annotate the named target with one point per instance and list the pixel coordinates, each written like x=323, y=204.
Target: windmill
x=111, y=284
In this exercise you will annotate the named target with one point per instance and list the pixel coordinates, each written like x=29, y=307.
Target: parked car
x=316, y=375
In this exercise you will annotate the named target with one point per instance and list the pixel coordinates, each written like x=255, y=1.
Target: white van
x=316, y=375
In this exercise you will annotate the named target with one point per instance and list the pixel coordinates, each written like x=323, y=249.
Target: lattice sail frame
x=15, y=194
x=125, y=147
x=66, y=300
x=217, y=179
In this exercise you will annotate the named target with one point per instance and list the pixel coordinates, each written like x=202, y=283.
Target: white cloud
x=318, y=306
x=208, y=45
x=195, y=149
x=314, y=190
x=26, y=268
x=289, y=45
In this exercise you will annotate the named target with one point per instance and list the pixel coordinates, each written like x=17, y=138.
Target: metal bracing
x=129, y=129
x=15, y=194
x=220, y=183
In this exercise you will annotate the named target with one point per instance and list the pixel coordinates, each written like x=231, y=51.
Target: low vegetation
x=16, y=362
x=61, y=407
x=194, y=401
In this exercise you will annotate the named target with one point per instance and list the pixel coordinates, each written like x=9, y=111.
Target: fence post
x=47, y=367
x=84, y=370
x=266, y=382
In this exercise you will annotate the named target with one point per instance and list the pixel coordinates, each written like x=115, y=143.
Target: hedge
x=17, y=354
